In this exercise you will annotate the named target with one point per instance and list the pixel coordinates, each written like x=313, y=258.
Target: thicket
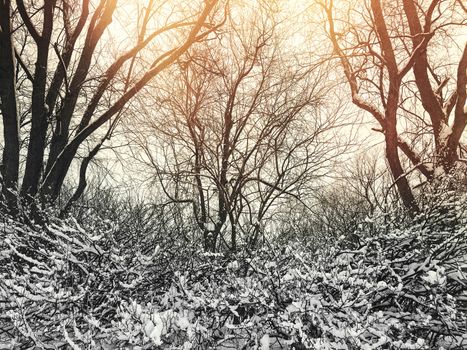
x=125, y=276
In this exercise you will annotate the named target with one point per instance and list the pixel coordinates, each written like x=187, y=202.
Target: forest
x=233, y=174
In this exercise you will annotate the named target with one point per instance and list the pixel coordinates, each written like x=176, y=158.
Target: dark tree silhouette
x=73, y=87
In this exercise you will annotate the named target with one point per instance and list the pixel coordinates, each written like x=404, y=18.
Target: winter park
x=233, y=174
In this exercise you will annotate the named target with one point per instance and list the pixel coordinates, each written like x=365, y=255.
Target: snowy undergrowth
x=389, y=285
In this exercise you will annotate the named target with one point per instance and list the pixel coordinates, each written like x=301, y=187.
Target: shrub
x=390, y=284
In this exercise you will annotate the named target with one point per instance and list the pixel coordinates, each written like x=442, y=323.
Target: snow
x=265, y=342
x=153, y=329
x=444, y=134
x=435, y=277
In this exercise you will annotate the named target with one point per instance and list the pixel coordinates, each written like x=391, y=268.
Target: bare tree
x=74, y=83
x=388, y=53
x=242, y=132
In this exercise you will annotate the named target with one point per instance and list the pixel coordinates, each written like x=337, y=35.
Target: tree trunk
x=54, y=180
x=82, y=179
x=233, y=233
x=400, y=178
x=37, y=138
x=8, y=107
x=460, y=114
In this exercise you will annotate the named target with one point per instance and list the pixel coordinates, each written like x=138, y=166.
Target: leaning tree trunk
x=82, y=184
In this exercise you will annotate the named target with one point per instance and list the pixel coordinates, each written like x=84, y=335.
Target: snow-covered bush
x=62, y=284
x=395, y=284
x=403, y=287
